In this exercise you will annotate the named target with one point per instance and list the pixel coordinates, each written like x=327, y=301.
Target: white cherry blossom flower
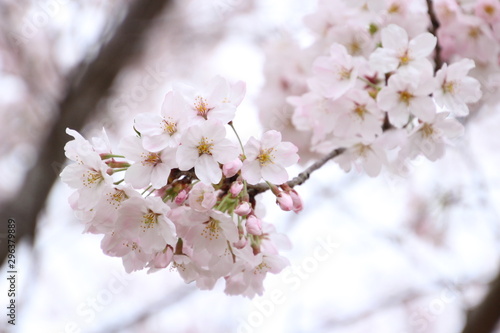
x=163, y=130
x=398, y=52
x=149, y=167
x=455, y=88
x=404, y=96
x=204, y=147
x=268, y=158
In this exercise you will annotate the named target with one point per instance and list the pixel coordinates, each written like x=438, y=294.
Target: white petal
x=207, y=169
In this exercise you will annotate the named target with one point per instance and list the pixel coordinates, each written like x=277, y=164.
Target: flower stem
x=238, y=137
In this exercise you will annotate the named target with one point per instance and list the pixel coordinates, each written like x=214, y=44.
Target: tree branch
x=89, y=84
x=301, y=177
x=485, y=316
x=433, y=30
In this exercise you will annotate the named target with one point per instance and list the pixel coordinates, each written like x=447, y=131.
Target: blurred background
x=395, y=254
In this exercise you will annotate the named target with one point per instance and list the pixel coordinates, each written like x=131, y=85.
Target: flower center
x=263, y=267
x=360, y=111
x=405, y=58
x=344, y=73
x=266, y=156
x=489, y=9
x=91, y=178
x=211, y=230
x=449, y=87
x=169, y=126
x=150, y=219
x=115, y=199
x=427, y=130
x=152, y=159
x=201, y=107
x=405, y=97
x=205, y=146
x=394, y=8
x=474, y=32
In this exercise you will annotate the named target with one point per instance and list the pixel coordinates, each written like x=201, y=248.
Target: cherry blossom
x=334, y=75
x=457, y=89
x=164, y=130
x=398, y=52
x=268, y=158
x=204, y=147
x=149, y=167
x=404, y=96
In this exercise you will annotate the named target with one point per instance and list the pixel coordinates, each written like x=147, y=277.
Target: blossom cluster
x=184, y=198
x=370, y=83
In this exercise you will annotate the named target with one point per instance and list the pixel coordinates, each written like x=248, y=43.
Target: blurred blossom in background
x=393, y=254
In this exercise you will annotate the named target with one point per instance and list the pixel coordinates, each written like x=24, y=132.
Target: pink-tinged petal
x=452, y=128
x=131, y=148
x=270, y=139
x=168, y=157
x=286, y=154
x=422, y=45
x=157, y=142
x=460, y=69
x=186, y=157
x=225, y=151
x=192, y=136
x=148, y=124
x=159, y=175
x=213, y=130
x=72, y=175
x=372, y=164
x=252, y=148
x=423, y=107
x=274, y=173
x=219, y=92
x=207, y=169
x=398, y=116
x=223, y=112
x=470, y=90
x=394, y=37
x=237, y=93
x=384, y=60
x=251, y=171
x=138, y=175
x=387, y=99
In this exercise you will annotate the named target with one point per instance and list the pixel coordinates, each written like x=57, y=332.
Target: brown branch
x=301, y=177
x=89, y=84
x=433, y=30
x=485, y=316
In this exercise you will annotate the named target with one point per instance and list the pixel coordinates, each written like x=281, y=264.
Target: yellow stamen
x=205, y=146
x=405, y=97
x=266, y=156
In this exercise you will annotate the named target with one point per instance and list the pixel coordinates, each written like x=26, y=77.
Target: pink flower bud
x=284, y=200
x=236, y=188
x=254, y=225
x=243, y=209
x=231, y=168
x=296, y=200
x=241, y=243
x=181, y=197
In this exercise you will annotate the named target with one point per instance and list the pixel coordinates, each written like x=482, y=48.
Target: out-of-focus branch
x=172, y=298
x=433, y=30
x=301, y=177
x=485, y=316
x=86, y=87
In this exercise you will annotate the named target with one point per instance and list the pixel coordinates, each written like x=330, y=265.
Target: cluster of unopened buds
x=179, y=193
